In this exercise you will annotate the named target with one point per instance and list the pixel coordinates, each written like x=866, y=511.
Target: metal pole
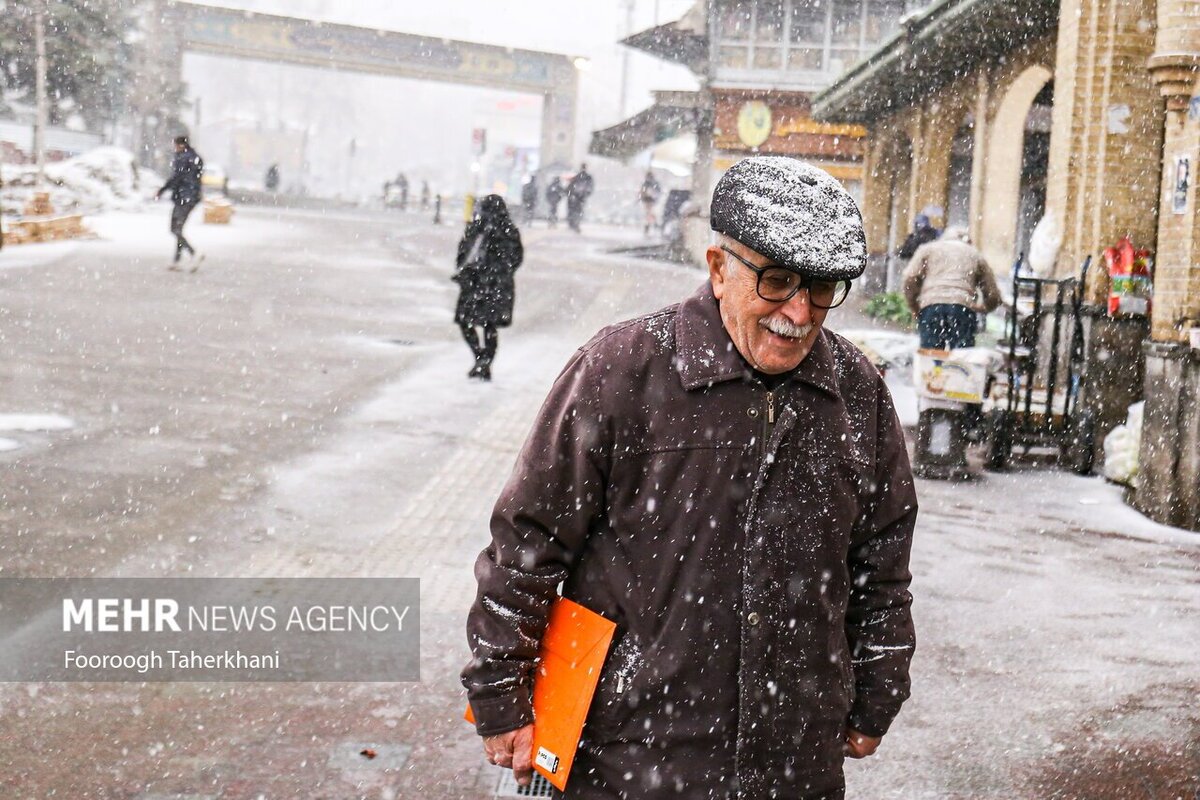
x=40, y=116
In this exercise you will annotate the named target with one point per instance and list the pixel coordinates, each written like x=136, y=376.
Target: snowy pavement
x=299, y=407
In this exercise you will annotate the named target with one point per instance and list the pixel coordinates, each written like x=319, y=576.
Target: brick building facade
x=1086, y=112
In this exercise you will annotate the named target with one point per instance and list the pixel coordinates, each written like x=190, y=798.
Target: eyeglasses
x=778, y=285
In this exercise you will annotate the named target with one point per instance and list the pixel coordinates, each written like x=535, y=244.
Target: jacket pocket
x=618, y=691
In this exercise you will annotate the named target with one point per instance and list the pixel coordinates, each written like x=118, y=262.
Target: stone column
x=1169, y=458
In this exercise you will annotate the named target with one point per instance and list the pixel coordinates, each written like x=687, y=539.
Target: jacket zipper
x=768, y=424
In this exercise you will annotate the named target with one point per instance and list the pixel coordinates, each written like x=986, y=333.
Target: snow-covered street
x=300, y=407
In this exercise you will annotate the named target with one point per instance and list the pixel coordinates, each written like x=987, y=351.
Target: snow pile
x=1121, y=448
x=103, y=179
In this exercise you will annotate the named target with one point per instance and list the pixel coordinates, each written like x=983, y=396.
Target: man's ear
x=716, y=272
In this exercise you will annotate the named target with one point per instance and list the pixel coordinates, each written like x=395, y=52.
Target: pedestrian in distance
x=579, y=189
x=187, y=168
x=529, y=198
x=923, y=232
x=727, y=481
x=554, y=195
x=272, y=179
x=946, y=284
x=488, y=254
x=402, y=185
x=648, y=195
x=424, y=195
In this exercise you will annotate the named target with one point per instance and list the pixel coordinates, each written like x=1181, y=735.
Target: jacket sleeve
x=914, y=277
x=988, y=286
x=172, y=181
x=879, y=625
x=539, y=525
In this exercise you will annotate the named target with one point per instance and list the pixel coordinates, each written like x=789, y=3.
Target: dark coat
x=751, y=546
x=555, y=192
x=486, y=286
x=580, y=188
x=923, y=233
x=184, y=184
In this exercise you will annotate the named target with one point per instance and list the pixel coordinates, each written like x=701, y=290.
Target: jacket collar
x=705, y=355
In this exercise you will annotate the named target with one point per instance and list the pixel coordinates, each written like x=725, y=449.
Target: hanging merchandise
x=1130, y=277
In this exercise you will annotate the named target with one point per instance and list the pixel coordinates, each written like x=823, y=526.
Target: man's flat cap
x=796, y=215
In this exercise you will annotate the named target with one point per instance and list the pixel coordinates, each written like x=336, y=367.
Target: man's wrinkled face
x=773, y=337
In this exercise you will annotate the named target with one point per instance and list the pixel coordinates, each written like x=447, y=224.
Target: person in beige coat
x=946, y=284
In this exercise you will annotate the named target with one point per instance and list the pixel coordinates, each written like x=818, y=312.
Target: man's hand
x=513, y=749
x=859, y=745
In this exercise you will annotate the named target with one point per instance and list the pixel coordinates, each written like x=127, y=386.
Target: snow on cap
x=796, y=215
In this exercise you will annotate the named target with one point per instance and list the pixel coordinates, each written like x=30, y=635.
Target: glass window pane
x=842, y=60
x=805, y=58
x=734, y=22
x=847, y=21
x=883, y=19
x=734, y=57
x=768, y=26
x=767, y=57
x=808, y=21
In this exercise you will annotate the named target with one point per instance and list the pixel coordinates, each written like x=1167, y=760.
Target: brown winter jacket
x=752, y=547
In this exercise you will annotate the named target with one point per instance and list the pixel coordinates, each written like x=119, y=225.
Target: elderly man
x=728, y=482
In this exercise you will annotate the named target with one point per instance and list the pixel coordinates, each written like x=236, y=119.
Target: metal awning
x=946, y=41
x=655, y=124
x=684, y=41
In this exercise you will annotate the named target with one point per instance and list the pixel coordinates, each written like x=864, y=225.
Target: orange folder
x=573, y=650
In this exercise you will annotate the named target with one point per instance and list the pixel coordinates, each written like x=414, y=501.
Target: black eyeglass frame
x=805, y=283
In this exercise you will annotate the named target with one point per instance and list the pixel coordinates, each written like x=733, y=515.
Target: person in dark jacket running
x=554, y=195
x=578, y=191
x=184, y=184
x=726, y=480
x=488, y=254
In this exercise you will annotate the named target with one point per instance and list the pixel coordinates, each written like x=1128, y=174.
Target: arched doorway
x=1035, y=164
x=1008, y=197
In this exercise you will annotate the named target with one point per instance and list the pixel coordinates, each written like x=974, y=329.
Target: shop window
x=808, y=21
x=810, y=59
x=769, y=18
x=842, y=60
x=846, y=23
x=735, y=18
x=768, y=57
x=883, y=19
x=734, y=57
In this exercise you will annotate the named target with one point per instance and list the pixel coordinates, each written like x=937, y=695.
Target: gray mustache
x=782, y=326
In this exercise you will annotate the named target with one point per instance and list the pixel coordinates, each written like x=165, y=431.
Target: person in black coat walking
x=488, y=255
x=184, y=184
x=578, y=191
x=554, y=195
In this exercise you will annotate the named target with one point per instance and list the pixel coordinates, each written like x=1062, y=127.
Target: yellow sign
x=754, y=123
x=803, y=125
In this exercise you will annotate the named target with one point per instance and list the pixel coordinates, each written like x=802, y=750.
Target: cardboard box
x=939, y=375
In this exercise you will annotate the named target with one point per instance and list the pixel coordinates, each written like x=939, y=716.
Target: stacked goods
x=39, y=205
x=1129, y=271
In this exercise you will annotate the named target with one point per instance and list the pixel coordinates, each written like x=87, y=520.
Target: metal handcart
x=1036, y=396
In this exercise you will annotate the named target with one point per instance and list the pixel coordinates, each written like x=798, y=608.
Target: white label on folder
x=547, y=760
